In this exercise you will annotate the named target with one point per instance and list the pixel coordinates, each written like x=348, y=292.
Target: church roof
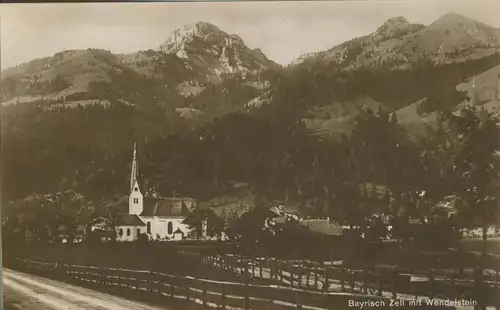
x=128, y=220
x=167, y=207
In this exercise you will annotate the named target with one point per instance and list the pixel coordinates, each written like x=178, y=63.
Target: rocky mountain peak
x=453, y=17
x=394, y=26
x=454, y=21
x=213, y=53
x=178, y=40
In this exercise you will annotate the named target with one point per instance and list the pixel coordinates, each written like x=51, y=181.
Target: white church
x=160, y=218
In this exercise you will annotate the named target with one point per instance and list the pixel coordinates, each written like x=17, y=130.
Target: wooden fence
x=394, y=284
x=208, y=293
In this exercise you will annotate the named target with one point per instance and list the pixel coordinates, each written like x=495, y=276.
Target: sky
x=282, y=30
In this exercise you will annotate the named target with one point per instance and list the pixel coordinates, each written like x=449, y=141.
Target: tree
x=199, y=217
x=468, y=148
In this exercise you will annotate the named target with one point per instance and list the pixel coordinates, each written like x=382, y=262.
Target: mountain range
x=200, y=62
x=204, y=77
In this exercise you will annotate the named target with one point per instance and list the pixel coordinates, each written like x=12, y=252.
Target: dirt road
x=27, y=292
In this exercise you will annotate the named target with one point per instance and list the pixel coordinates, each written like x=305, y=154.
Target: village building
x=100, y=229
x=159, y=218
x=63, y=234
x=281, y=214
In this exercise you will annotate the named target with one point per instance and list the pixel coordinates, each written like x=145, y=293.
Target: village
x=319, y=156
x=163, y=219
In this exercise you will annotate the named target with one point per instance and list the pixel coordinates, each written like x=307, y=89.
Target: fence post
x=326, y=284
x=187, y=288
x=365, y=280
x=102, y=276
x=119, y=278
x=247, y=297
x=352, y=275
x=204, y=297
x=431, y=284
x=253, y=267
x=172, y=296
x=291, y=277
x=151, y=281
x=342, y=279
x=394, y=283
x=299, y=275
x=496, y=279
x=281, y=273
x=223, y=296
x=309, y=270
x=453, y=278
x=297, y=301
x=271, y=268
x=380, y=283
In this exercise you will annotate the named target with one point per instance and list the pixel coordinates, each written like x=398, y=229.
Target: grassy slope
x=485, y=84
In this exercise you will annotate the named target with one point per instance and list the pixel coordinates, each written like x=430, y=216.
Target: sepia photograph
x=308, y=155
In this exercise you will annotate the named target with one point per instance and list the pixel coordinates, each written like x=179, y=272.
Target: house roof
x=323, y=227
x=128, y=220
x=100, y=221
x=168, y=207
x=178, y=231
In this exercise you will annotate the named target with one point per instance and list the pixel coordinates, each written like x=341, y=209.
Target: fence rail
x=208, y=293
x=388, y=283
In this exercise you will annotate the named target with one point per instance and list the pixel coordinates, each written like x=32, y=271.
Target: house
x=100, y=229
x=160, y=218
x=323, y=227
x=80, y=234
x=61, y=234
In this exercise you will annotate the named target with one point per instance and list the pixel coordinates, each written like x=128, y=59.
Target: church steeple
x=135, y=200
x=135, y=170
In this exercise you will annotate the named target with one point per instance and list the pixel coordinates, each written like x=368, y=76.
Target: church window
x=128, y=231
x=170, y=228
x=138, y=231
x=148, y=227
x=136, y=189
x=136, y=200
x=121, y=232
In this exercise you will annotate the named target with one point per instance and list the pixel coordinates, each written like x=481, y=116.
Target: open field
x=157, y=257
x=185, y=261
x=476, y=245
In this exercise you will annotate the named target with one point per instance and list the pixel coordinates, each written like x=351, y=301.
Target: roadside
x=29, y=292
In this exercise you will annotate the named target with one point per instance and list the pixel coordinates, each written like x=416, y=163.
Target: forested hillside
x=200, y=144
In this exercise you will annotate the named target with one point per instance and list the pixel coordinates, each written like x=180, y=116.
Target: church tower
x=136, y=199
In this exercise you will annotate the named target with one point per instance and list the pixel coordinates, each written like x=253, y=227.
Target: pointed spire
x=135, y=169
